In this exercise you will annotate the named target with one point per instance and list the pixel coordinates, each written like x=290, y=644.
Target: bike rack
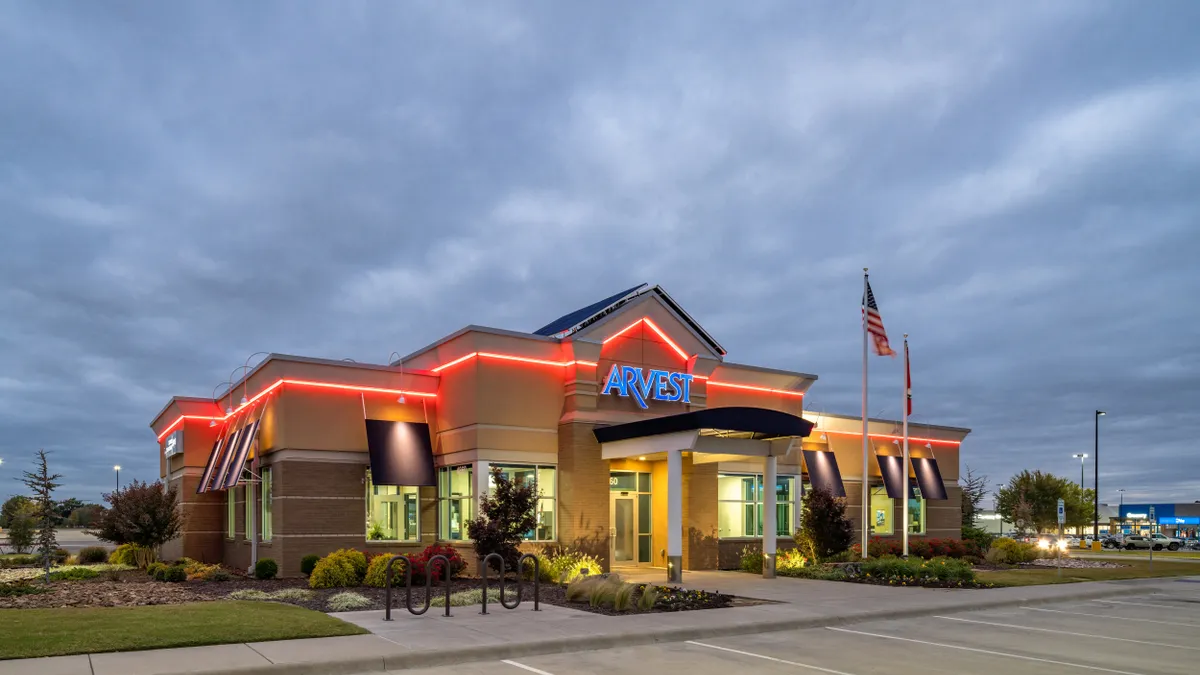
x=537, y=587
x=429, y=566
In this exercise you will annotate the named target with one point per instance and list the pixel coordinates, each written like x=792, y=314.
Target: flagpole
x=866, y=499
x=904, y=462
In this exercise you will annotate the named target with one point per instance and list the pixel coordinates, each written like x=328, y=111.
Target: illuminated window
x=740, y=501
x=393, y=512
x=230, y=515
x=267, y=503
x=456, y=503
x=916, y=513
x=882, y=509
x=542, y=479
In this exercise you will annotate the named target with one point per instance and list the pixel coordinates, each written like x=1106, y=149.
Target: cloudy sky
x=184, y=184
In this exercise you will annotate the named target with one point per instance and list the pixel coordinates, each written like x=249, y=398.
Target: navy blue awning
x=210, y=466
x=401, y=453
x=240, y=452
x=929, y=477
x=891, y=467
x=759, y=423
x=823, y=471
x=218, y=477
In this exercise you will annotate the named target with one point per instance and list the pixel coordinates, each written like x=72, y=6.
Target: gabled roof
x=581, y=318
x=569, y=323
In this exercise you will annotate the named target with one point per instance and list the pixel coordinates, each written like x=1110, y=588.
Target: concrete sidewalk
x=430, y=640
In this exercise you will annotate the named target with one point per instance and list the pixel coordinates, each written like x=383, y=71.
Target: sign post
x=1062, y=518
x=1152, y=521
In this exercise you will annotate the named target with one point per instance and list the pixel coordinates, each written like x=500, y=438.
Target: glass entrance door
x=621, y=516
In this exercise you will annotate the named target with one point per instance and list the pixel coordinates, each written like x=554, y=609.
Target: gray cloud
x=184, y=184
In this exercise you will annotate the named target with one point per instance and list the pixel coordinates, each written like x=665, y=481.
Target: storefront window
x=882, y=509
x=266, y=505
x=230, y=515
x=456, y=503
x=740, y=505
x=392, y=512
x=542, y=479
x=916, y=514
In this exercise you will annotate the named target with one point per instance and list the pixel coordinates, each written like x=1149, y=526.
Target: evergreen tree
x=42, y=483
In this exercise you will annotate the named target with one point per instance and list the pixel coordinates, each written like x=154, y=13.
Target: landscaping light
x=641, y=459
x=1044, y=544
x=1062, y=544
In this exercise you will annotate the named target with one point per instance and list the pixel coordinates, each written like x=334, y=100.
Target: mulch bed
x=134, y=588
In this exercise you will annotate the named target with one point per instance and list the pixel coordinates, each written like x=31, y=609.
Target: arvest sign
x=646, y=385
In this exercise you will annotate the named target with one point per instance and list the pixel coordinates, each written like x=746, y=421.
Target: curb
x=408, y=660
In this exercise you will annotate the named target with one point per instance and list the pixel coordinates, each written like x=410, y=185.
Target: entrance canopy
x=759, y=424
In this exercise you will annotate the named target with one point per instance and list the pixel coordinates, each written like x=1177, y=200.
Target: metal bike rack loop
x=429, y=567
x=483, y=570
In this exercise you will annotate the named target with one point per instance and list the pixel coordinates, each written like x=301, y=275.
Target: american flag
x=875, y=324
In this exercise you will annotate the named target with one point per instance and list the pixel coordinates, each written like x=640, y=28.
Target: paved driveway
x=1147, y=634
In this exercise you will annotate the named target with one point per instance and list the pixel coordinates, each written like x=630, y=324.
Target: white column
x=675, y=516
x=769, y=497
x=483, y=471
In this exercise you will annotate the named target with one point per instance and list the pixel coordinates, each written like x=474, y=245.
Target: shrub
x=465, y=598
x=357, y=560
x=824, y=523
x=198, y=571
x=420, y=561
x=817, y=572
x=145, y=514
x=581, y=589
x=977, y=541
x=333, y=571
x=22, y=530
x=789, y=559
x=293, y=594
x=647, y=599
x=623, y=598
x=504, y=517
x=219, y=574
x=121, y=555
x=248, y=594
x=346, y=601
x=751, y=560
x=377, y=572
x=605, y=592
x=74, y=574
x=567, y=565
x=940, y=569
x=175, y=574
x=308, y=562
x=132, y=555
x=153, y=569
x=1005, y=551
x=265, y=568
x=13, y=590
x=92, y=555
x=19, y=560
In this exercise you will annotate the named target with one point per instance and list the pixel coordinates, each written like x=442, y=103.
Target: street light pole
x=1096, y=504
x=117, y=468
x=1080, y=456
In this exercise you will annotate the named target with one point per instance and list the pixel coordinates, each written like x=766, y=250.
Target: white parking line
x=1115, y=618
x=522, y=666
x=1066, y=632
x=984, y=651
x=1138, y=604
x=767, y=658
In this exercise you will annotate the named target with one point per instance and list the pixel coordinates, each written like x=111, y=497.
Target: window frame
x=759, y=504
x=401, y=490
x=266, y=504
x=922, y=505
x=443, y=501
x=880, y=492
x=230, y=515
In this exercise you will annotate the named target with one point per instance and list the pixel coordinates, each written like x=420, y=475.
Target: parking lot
x=1146, y=633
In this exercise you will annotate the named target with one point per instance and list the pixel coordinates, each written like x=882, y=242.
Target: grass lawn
x=81, y=630
x=1137, y=569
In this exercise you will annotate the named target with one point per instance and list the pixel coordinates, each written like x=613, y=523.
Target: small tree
x=824, y=523
x=505, y=516
x=22, y=529
x=85, y=516
x=140, y=513
x=974, y=489
x=12, y=506
x=42, y=483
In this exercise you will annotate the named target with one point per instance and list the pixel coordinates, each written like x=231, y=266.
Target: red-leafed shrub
x=420, y=562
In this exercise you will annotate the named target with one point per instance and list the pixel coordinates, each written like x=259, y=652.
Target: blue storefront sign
x=1179, y=520
x=646, y=385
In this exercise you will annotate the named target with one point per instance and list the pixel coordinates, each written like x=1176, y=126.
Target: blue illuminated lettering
x=645, y=385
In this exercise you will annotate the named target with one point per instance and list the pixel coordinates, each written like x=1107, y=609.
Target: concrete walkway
x=432, y=640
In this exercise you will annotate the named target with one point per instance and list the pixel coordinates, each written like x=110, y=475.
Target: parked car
x=1161, y=541
x=1134, y=541
x=1113, y=541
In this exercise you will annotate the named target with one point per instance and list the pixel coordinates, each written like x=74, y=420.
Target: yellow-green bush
x=1006, y=551
x=132, y=555
x=334, y=571
x=357, y=560
x=377, y=572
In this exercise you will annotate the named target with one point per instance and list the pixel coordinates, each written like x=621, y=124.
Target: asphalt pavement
x=1146, y=634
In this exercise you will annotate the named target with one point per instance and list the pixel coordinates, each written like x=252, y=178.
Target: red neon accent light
x=765, y=390
x=654, y=327
x=510, y=357
x=304, y=383
x=889, y=437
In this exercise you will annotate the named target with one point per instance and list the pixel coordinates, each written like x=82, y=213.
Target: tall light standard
x=117, y=468
x=1096, y=504
x=1080, y=456
x=1121, y=510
